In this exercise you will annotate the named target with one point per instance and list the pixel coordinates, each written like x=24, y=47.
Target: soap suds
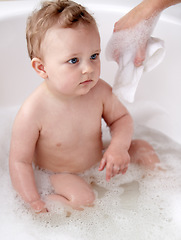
x=140, y=204
x=130, y=40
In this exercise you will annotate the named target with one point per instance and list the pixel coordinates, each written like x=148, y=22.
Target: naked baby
x=58, y=128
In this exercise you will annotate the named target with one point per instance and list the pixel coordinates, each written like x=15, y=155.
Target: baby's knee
x=72, y=190
x=78, y=201
x=83, y=199
x=141, y=152
x=140, y=146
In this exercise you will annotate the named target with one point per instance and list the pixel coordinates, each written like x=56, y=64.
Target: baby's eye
x=73, y=60
x=94, y=56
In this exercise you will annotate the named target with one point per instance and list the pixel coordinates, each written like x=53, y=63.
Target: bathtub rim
x=9, y=9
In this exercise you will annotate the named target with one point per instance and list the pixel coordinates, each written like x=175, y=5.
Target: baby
x=58, y=128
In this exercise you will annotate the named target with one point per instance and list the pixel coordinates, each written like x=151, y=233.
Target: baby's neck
x=57, y=96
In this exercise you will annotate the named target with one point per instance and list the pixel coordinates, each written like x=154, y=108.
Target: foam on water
x=138, y=205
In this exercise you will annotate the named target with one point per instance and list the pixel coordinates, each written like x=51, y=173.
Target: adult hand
x=142, y=12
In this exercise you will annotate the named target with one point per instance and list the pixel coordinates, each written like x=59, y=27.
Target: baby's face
x=71, y=59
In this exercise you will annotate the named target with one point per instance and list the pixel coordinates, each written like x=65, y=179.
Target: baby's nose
x=87, y=68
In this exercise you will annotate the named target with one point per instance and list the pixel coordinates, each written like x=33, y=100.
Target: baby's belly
x=73, y=159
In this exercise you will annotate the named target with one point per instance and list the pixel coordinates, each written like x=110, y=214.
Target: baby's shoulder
x=103, y=87
x=32, y=107
x=103, y=91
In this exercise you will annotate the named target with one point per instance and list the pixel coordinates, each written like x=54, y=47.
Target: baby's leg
x=141, y=152
x=71, y=190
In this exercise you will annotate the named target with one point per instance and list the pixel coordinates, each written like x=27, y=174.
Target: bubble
x=129, y=40
x=141, y=204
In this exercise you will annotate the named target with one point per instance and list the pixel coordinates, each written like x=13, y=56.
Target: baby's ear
x=38, y=65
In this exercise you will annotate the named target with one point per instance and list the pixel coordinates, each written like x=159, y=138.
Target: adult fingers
x=140, y=56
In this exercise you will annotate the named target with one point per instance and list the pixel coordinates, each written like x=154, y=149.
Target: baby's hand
x=115, y=161
x=38, y=206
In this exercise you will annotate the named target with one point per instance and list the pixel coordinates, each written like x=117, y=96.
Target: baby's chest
x=71, y=128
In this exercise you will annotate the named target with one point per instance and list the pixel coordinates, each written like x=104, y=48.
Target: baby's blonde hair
x=64, y=12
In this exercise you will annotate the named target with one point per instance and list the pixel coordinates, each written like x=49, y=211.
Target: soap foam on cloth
x=122, y=48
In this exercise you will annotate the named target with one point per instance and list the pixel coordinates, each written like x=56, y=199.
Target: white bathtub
x=158, y=98
x=157, y=91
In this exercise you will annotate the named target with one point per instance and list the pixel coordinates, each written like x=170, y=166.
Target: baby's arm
x=24, y=137
x=116, y=157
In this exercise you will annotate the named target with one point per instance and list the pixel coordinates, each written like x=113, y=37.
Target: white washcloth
x=128, y=76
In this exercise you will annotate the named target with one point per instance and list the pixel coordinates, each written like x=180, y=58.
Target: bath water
x=139, y=205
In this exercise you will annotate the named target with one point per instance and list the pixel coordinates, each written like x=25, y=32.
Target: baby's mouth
x=86, y=81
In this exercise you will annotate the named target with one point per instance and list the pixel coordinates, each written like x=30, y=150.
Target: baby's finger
x=124, y=170
x=109, y=172
x=44, y=210
x=102, y=164
x=116, y=170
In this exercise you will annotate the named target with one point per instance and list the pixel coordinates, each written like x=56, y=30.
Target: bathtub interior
x=158, y=95
x=144, y=204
